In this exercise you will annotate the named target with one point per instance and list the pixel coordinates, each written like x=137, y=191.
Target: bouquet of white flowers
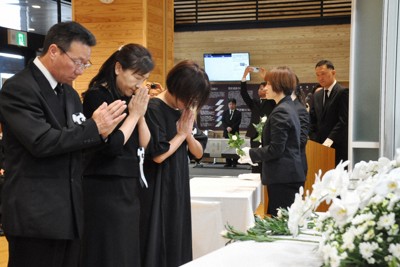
x=235, y=141
x=361, y=226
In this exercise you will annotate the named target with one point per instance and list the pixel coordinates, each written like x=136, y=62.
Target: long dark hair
x=131, y=56
x=299, y=93
x=189, y=83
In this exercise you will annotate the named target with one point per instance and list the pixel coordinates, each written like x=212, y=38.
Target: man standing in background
x=231, y=119
x=329, y=112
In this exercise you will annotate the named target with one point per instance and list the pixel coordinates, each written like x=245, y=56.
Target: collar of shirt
x=46, y=73
x=330, y=88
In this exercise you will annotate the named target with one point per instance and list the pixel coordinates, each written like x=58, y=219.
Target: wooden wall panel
x=298, y=47
x=122, y=22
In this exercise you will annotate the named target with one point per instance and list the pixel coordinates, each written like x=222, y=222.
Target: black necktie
x=60, y=95
x=326, y=96
x=59, y=89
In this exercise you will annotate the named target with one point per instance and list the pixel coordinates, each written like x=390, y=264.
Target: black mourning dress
x=111, y=196
x=166, y=234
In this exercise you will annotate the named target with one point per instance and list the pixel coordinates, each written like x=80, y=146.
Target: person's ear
x=117, y=68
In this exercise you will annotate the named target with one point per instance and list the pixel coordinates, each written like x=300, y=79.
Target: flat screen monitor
x=225, y=67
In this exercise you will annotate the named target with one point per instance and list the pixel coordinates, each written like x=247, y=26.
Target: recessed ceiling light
x=31, y=30
x=35, y=6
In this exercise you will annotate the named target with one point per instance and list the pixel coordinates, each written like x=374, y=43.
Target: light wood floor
x=3, y=252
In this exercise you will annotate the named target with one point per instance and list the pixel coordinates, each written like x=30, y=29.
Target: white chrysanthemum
x=234, y=137
x=370, y=234
x=361, y=218
x=394, y=249
x=361, y=229
x=394, y=230
x=348, y=239
x=386, y=221
x=367, y=249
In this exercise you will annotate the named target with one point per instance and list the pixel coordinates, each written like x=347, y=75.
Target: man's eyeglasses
x=78, y=63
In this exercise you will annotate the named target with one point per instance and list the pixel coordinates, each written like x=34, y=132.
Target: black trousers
x=37, y=252
x=281, y=196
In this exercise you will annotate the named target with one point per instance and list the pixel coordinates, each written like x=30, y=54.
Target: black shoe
x=227, y=165
x=234, y=166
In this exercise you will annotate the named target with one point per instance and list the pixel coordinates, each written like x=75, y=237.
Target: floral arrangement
x=235, y=141
x=361, y=226
x=259, y=128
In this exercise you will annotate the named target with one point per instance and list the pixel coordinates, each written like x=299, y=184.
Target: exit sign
x=17, y=38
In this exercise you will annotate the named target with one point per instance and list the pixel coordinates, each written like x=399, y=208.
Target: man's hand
x=328, y=142
x=107, y=117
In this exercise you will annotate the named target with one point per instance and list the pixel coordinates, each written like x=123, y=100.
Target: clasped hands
x=245, y=159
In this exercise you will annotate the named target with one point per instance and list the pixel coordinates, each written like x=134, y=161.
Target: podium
x=319, y=157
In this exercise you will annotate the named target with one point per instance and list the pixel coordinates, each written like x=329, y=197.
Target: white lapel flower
x=78, y=118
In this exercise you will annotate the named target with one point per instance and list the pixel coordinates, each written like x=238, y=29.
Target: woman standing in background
x=304, y=117
x=111, y=176
x=282, y=169
x=166, y=234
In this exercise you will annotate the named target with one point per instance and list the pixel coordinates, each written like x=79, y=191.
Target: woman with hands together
x=165, y=228
x=112, y=173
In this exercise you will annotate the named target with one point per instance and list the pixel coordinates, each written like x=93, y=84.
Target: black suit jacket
x=280, y=151
x=259, y=108
x=331, y=120
x=42, y=195
x=231, y=121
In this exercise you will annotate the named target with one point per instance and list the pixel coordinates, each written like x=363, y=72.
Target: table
x=218, y=148
x=218, y=201
x=273, y=254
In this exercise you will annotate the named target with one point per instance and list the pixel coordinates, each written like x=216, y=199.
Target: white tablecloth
x=218, y=201
x=250, y=253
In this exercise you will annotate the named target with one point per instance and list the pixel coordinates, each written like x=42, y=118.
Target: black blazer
x=259, y=108
x=42, y=194
x=280, y=151
x=114, y=157
x=231, y=121
x=331, y=120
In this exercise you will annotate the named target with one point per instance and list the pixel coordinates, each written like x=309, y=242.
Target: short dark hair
x=324, y=62
x=64, y=33
x=131, y=56
x=232, y=100
x=189, y=83
x=282, y=79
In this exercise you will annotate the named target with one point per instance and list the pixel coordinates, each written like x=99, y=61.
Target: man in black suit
x=231, y=119
x=329, y=112
x=44, y=132
x=259, y=108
